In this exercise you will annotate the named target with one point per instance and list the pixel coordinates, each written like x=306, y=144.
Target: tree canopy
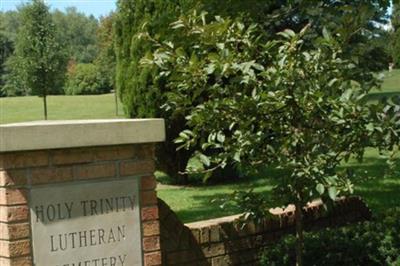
x=39, y=61
x=85, y=40
x=78, y=34
x=353, y=23
x=395, y=36
x=280, y=102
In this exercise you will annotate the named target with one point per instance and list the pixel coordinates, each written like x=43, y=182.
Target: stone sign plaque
x=89, y=224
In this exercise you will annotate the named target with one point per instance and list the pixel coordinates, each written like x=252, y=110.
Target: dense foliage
x=395, y=36
x=78, y=34
x=370, y=243
x=84, y=39
x=254, y=101
x=144, y=94
x=85, y=79
x=7, y=38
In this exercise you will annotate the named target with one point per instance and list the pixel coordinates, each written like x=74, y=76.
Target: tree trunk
x=116, y=101
x=45, y=107
x=299, y=234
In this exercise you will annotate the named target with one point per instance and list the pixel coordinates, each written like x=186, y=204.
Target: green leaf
x=370, y=127
x=204, y=159
x=236, y=157
x=288, y=34
x=320, y=188
x=332, y=191
x=221, y=137
x=326, y=34
x=346, y=96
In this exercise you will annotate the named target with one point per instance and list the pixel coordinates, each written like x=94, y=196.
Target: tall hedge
x=143, y=95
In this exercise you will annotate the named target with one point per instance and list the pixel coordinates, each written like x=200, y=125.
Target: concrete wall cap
x=44, y=135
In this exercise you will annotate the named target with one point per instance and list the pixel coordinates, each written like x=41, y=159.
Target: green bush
x=376, y=242
x=86, y=79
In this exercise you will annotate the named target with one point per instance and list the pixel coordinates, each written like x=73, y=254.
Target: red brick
x=149, y=213
x=151, y=243
x=148, y=183
x=12, y=196
x=205, y=235
x=214, y=250
x=151, y=228
x=14, y=213
x=10, y=249
x=196, y=234
x=23, y=159
x=20, y=261
x=152, y=259
x=131, y=168
x=146, y=151
x=221, y=260
x=14, y=231
x=51, y=175
x=96, y=171
x=148, y=198
x=72, y=156
x=13, y=178
x=214, y=233
x=114, y=153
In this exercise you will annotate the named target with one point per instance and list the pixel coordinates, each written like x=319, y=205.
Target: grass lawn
x=195, y=203
x=203, y=202
x=19, y=109
x=391, y=81
x=390, y=86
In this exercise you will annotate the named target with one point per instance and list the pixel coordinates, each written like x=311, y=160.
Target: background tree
x=106, y=58
x=273, y=102
x=354, y=23
x=85, y=79
x=6, y=48
x=9, y=24
x=395, y=34
x=39, y=60
x=76, y=31
x=78, y=34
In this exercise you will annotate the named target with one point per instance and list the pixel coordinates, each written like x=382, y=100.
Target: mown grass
x=390, y=87
x=391, y=81
x=379, y=188
x=21, y=109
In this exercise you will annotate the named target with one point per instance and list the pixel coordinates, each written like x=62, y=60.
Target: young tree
x=351, y=20
x=273, y=102
x=39, y=60
x=105, y=60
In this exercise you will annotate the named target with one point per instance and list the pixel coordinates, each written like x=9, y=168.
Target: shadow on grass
x=209, y=207
x=200, y=202
x=197, y=203
x=380, y=195
x=379, y=187
x=380, y=96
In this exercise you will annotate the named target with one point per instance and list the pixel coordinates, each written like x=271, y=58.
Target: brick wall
x=21, y=171
x=221, y=242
